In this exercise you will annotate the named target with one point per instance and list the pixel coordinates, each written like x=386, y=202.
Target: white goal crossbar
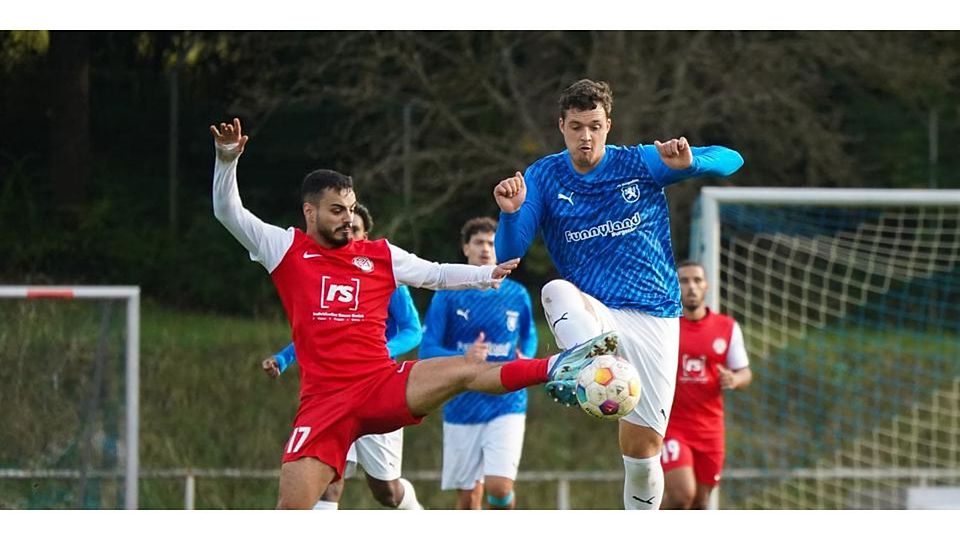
x=712, y=197
x=132, y=296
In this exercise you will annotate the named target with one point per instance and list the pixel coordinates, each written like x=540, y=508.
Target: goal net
x=849, y=302
x=69, y=372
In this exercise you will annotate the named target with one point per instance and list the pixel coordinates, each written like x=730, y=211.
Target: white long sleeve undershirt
x=268, y=243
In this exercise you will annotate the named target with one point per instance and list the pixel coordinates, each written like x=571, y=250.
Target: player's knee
x=333, y=492
x=641, y=443
x=557, y=289
x=470, y=499
x=388, y=493
x=677, y=497
x=700, y=501
x=294, y=503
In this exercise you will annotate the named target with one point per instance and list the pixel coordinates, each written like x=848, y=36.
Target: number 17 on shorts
x=297, y=438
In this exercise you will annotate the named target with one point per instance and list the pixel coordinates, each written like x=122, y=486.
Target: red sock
x=523, y=373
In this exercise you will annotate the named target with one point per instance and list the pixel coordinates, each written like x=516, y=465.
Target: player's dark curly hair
x=322, y=179
x=584, y=95
x=365, y=217
x=475, y=226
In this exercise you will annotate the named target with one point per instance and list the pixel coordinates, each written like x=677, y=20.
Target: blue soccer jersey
x=608, y=231
x=453, y=322
x=403, y=329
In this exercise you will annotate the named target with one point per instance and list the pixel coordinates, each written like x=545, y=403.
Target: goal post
x=131, y=295
x=706, y=245
x=849, y=300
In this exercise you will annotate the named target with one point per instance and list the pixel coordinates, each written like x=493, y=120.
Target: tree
x=69, y=119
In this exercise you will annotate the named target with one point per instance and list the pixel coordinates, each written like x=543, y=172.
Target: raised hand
x=503, y=270
x=227, y=135
x=510, y=193
x=270, y=367
x=675, y=153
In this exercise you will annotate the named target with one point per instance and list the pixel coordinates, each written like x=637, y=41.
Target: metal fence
x=922, y=477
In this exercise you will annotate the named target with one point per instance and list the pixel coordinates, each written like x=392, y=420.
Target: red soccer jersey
x=336, y=301
x=698, y=402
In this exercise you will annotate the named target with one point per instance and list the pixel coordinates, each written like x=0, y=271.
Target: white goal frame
x=705, y=249
x=132, y=295
x=712, y=197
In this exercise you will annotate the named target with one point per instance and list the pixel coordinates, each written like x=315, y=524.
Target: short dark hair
x=690, y=262
x=365, y=217
x=584, y=95
x=477, y=225
x=322, y=179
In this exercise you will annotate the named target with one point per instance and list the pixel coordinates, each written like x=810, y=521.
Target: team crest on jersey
x=630, y=191
x=364, y=264
x=512, y=317
x=719, y=345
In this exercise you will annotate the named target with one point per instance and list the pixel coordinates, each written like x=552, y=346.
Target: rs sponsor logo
x=693, y=365
x=339, y=294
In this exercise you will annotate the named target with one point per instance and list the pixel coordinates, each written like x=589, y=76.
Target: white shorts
x=473, y=451
x=380, y=455
x=652, y=345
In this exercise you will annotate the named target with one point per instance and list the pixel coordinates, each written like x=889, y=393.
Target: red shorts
x=706, y=457
x=327, y=423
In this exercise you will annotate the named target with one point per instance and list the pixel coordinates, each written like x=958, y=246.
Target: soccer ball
x=608, y=387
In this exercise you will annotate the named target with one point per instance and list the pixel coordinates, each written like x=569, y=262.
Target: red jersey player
x=712, y=359
x=335, y=291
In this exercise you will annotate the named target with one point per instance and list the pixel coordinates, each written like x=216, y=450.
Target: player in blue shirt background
x=603, y=215
x=482, y=433
x=380, y=455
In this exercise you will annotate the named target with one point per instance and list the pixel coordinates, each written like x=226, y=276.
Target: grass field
x=205, y=404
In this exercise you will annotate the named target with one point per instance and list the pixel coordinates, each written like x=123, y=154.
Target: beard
x=691, y=305
x=338, y=237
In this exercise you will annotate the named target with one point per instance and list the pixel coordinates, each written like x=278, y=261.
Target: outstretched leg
x=433, y=382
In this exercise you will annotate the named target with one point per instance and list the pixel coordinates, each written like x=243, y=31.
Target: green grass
x=206, y=404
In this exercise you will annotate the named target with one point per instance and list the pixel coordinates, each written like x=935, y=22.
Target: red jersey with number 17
x=698, y=401
x=336, y=301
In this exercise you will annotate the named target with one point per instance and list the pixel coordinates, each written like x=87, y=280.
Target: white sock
x=409, y=500
x=565, y=307
x=326, y=505
x=643, y=483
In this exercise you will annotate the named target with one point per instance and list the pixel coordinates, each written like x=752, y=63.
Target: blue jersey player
x=482, y=433
x=380, y=455
x=603, y=216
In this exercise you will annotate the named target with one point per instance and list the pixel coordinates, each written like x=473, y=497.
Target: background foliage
x=105, y=159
